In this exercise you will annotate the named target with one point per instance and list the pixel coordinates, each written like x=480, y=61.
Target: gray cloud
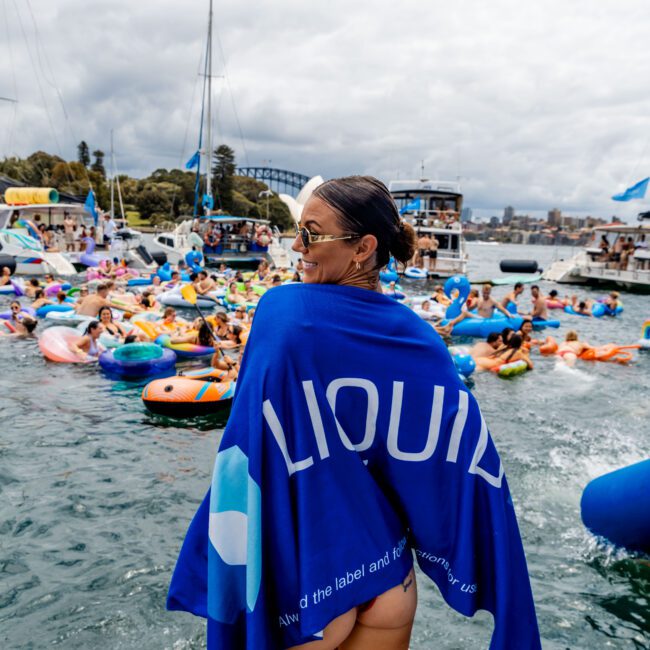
x=534, y=105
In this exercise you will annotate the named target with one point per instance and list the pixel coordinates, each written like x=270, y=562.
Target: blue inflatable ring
x=137, y=360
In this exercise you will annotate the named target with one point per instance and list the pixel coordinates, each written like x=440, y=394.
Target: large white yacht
x=595, y=265
x=434, y=207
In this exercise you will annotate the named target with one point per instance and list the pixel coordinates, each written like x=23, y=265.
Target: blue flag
x=413, y=205
x=635, y=192
x=352, y=449
x=193, y=161
x=89, y=205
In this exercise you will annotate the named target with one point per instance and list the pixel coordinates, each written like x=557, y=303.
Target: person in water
x=40, y=300
x=5, y=278
x=90, y=304
x=234, y=295
x=88, y=346
x=485, y=348
x=571, y=348
x=526, y=334
x=512, y=296
x=105, y=317
x=582, y=307
x=487, y=304
x=553, y=296
x=539, y=311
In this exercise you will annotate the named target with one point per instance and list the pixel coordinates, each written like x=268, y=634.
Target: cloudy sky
x=531, y=104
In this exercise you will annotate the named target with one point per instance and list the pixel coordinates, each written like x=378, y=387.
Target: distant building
x=466, y=215
x=494, y=222
x=508, y=215
x=555, y=217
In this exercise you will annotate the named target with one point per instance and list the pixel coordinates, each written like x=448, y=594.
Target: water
x=96, y=496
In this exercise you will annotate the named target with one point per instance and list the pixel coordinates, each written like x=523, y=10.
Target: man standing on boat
x=69, y=227
x=109, y=230
x=424, y=246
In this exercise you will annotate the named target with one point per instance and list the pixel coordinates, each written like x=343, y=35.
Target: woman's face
x=105, y=316
x=327, y=262
x=527, y=327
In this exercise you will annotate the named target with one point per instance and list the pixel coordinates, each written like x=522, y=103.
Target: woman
x=270, y=556
x=88, y=346
x=571, y=348
x=169, y=323
x=40, y=300
x=105, y=317
x=5, y=278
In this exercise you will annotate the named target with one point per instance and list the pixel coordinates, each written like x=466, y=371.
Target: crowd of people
x=623, y=253
x=72, y=234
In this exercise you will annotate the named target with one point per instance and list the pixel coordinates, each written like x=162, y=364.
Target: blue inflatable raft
x=617, y=506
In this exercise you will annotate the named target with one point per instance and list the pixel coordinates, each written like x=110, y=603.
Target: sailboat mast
x=208, y=164
x=112, y=179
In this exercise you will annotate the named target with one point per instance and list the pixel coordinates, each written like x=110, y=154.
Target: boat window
x=443, y=241
x=454, y=242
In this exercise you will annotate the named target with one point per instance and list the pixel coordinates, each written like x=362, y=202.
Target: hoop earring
x=358, y=266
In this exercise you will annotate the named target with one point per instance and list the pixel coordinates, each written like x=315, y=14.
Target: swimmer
x=23, y=328
x=205, y=283
x=513, y=295
x=487, y=304
x=571, y=348
x=239, y=316
x=487, y=347
x=5, y=278
x=426, y=312
x=199, y=334
x=539, y=311
x=89, y=304
x=40, y=300
x=88, y=346
x=105, y=316
x=554, y=296
x=234, y=295
x=514, y=351
x=612, y=300
x=439, y=296
x=525, y=333
x=221, y=324
x=169, y=323
x=583, y=307
x=31, y=287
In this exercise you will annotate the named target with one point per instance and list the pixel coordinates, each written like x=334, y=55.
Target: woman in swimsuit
x=571, y=348
x=105, y=316
x=5, y=278
x=88, y=346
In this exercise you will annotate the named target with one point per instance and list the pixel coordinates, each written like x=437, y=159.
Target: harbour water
x=96, y=496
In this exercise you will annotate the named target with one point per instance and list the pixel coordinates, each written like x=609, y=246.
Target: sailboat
x=259, y=241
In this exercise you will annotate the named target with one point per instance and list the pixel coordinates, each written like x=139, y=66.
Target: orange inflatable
x=197, y=393
x=609, y=352
x=549, y=346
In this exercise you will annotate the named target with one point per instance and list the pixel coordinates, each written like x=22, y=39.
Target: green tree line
x=164, y=195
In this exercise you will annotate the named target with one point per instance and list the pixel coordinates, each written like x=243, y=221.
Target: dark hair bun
x=403, y=246
x=365, y=207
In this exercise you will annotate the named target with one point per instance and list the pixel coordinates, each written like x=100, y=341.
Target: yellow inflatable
x=29, y=195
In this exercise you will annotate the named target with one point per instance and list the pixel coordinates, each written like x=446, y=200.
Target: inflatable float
x=511, y=369
x=465, y=364
x=389, y=274
x=184, y=350
x=137, y=360
x=165, y=273
x=615, y=506
x=174, y=298
x=416, y=273
x=55, y=342
x=199, y=393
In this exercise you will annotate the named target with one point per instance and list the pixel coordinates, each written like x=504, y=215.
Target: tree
x=222, y=176
x=98, y=165
x=83, y=154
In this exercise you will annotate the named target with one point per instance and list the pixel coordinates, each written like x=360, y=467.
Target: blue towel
x=351, y=448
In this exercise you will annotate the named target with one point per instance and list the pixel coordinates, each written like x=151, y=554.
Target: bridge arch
x=278, y=180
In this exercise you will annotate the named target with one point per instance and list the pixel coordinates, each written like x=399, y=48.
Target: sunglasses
x=15, y=308
x=307, y=238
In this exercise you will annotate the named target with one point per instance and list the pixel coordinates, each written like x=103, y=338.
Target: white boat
x=233, y=249
x=433, y=207
x=26, y=251
x=20, y=239
x=592, y=266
